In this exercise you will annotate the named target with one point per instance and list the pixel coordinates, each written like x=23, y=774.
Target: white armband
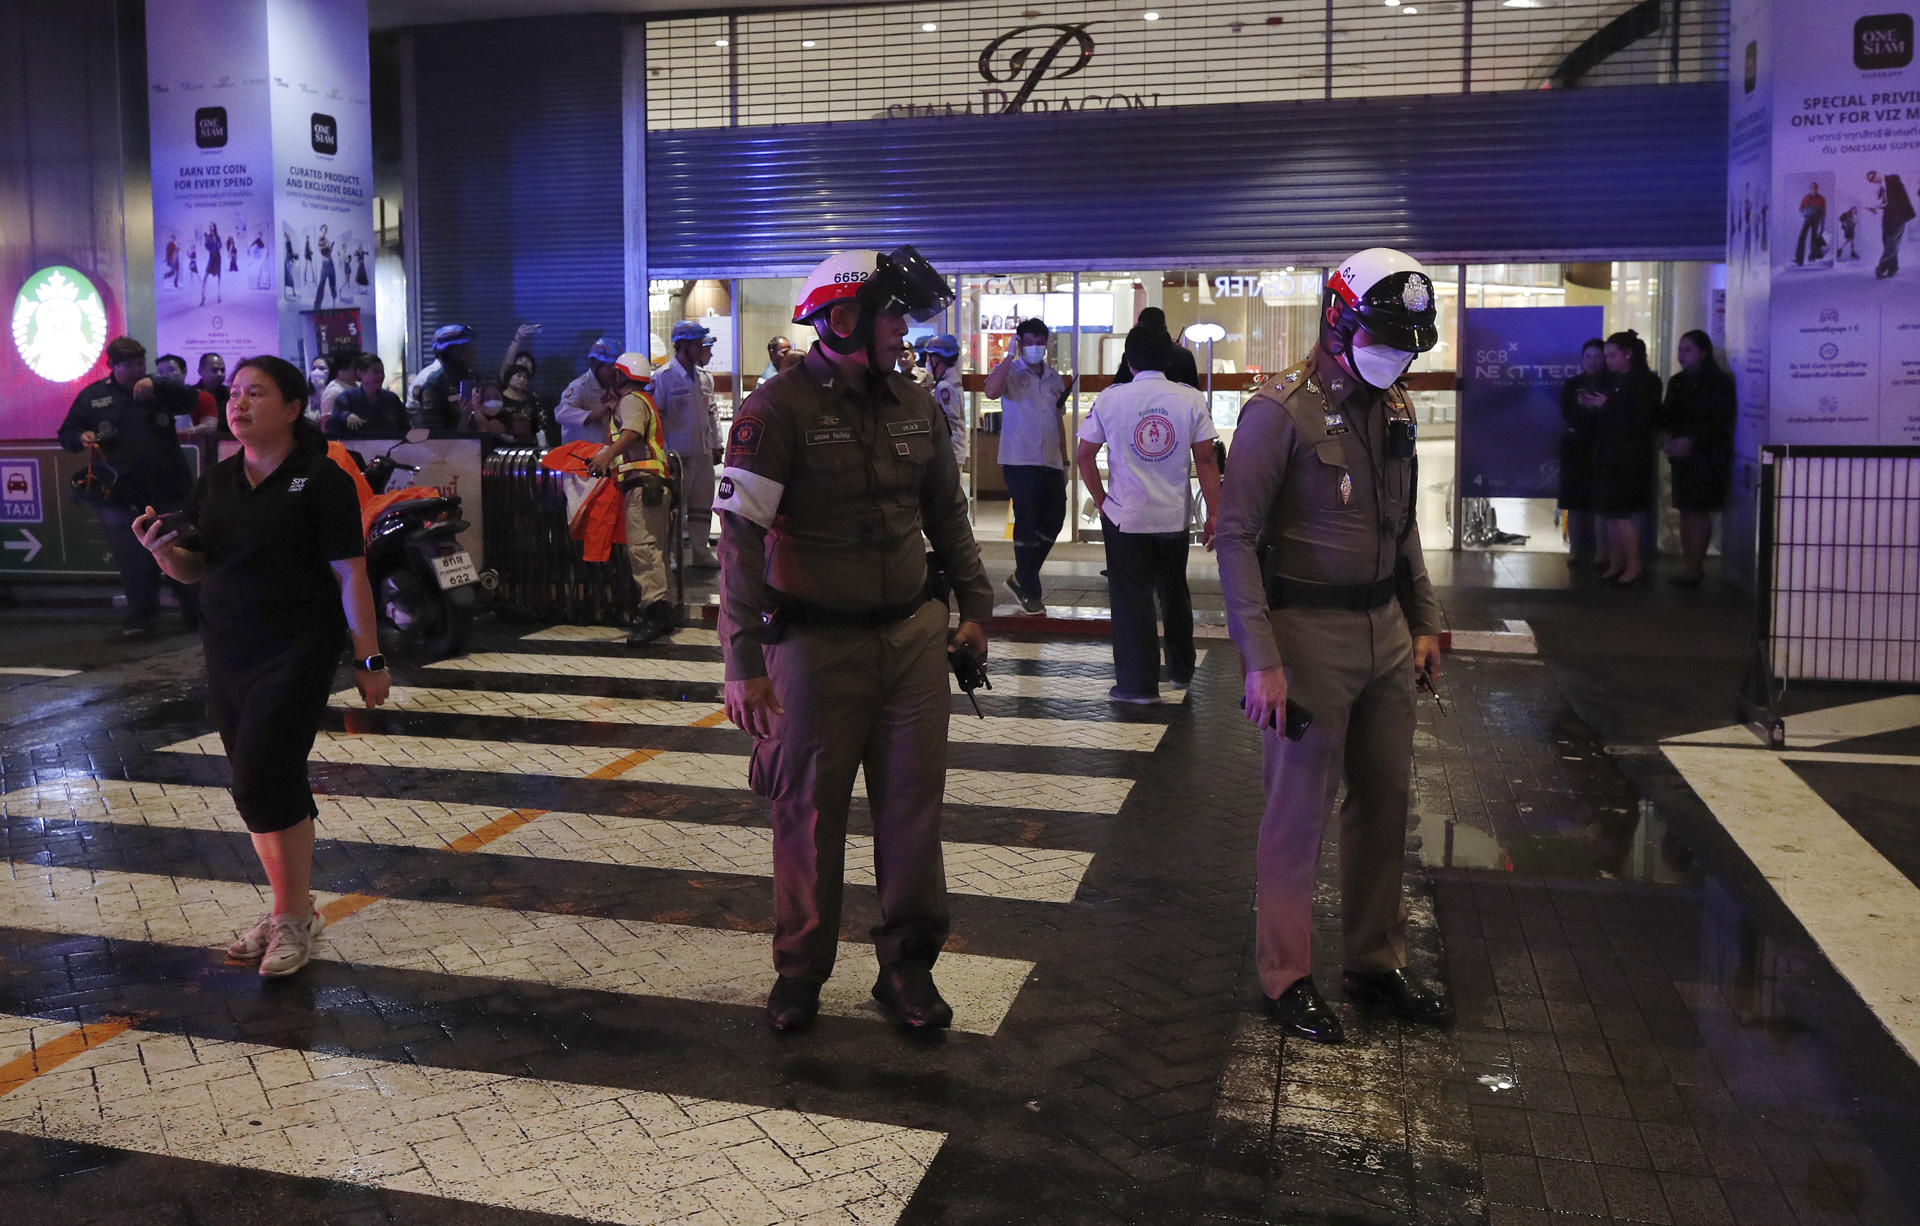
x=748, y=495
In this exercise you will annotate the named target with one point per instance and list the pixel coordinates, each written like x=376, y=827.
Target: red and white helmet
x=1388, y=293
x=837, y=278
x=634, y=366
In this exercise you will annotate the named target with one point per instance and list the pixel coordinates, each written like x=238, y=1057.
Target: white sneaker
x=291, y=944
x=249, y=945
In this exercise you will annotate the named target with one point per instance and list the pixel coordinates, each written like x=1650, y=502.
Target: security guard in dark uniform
x=1328, y=600
x=838, y=476
x=126, y=423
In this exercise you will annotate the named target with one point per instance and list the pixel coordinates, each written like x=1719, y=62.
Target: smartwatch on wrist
x=375, y=663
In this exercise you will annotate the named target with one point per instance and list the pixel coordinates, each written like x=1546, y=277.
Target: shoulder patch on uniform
x=744, y=439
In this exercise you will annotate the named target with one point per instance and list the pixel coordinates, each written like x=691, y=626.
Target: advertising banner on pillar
x=322, y=165
x=1843, y=246
x=212, y=157
x=1516, y=360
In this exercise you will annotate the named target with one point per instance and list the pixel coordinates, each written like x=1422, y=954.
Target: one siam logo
x=326, y=134
x=1031, y=61
x=210, y=127
x=1883, y=42
x=59, y=324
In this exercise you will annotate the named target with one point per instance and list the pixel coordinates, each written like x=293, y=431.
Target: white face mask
x=1380, y=365
x=1034, y=354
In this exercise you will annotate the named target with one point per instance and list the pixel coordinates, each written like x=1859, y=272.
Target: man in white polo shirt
x=1150, y=426
x=1033, y=455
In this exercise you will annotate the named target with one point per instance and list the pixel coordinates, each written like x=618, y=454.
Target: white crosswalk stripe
x=1091, y=651
x=599, y=1152
x=1002, y=789
x=1033, y=874
x=629, y=957
x=594, y=709
x=643, y=668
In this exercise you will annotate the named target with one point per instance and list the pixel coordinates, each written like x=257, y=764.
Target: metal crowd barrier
x=1837, y=592
x=544, y=575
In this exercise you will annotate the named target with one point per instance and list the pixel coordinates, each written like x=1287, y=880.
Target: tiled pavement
x=538, y=1001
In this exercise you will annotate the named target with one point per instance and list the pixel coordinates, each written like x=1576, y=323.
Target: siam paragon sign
x=1017, y=64
x=59, y=324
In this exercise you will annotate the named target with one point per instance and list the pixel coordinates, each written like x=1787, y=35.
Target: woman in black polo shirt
x=283, y=567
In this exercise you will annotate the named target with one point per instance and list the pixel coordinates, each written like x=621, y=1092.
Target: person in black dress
x=1576, y=454
x=278, y=549
x=1698, y=419
x=1623, y=454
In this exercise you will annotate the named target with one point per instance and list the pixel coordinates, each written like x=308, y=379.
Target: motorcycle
x=426, y=588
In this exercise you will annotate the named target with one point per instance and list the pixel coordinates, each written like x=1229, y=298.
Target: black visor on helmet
x=1399, y=311
x=903, y=283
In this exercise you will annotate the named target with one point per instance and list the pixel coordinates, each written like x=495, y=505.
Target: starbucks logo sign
x=59, y=324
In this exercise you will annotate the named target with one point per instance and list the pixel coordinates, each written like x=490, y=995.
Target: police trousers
x=1354, y=672
x=696, y=485
x=857, y=698
x=647, y=544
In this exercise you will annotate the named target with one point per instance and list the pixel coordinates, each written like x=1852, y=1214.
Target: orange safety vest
x=652, y=458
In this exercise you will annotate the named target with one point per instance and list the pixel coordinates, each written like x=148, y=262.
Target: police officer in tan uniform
x=838, y=476
x=637, y=452
x=1328, y=600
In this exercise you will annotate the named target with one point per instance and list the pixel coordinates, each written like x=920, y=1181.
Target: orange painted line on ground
x=348, y=904
x=49, y=1056
x=624, y=763
x=499, y=827
x=351, y=904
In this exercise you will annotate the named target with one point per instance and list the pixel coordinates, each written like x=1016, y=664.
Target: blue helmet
x=944, y=344
x=450, y=336
x=603, y=351
x=691, y=330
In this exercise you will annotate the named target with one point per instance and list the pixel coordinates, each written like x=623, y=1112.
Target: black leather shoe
x=652, y=623
x=908, y=995
x=1396, y=992
x=1303, y=1013
x=793, y=1005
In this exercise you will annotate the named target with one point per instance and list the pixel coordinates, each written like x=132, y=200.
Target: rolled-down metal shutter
x=1615, y=173
x=517, y=206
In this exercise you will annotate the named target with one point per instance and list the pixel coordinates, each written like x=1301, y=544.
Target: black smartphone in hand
x=1299, y=719
x=182, y=523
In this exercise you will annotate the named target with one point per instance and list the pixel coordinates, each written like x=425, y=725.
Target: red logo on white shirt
x=1153, y=437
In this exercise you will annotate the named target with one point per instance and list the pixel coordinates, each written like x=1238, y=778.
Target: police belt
x=794, y=611
x=1352, y=597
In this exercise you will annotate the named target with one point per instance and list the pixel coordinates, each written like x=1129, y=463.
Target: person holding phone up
x=1328, y=600
x=272, y=536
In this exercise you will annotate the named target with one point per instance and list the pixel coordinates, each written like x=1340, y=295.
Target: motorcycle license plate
x=455, y=570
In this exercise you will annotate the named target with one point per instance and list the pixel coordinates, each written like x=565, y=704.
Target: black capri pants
x=267, y=705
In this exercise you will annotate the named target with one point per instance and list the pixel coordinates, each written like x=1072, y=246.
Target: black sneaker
x=1028, y=603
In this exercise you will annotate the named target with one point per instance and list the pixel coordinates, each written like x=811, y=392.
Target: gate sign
x=20, y=491
x=59, y=324
x=1513, y=362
